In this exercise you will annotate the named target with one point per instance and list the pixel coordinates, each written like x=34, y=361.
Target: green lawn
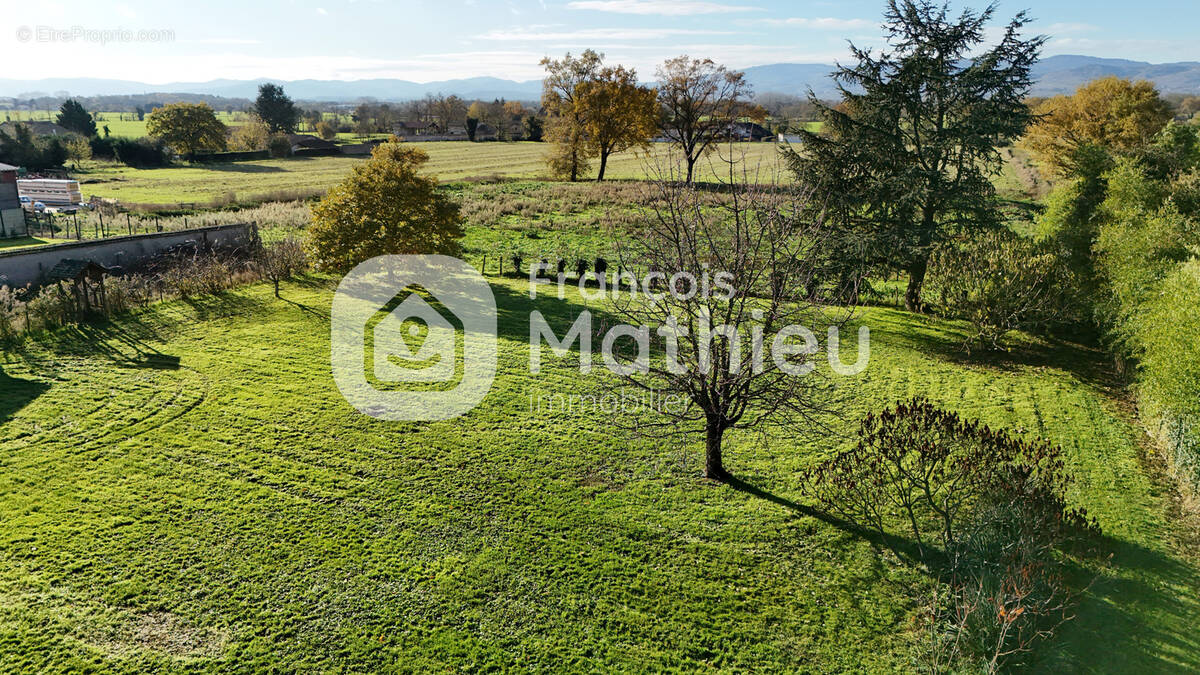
x=119, y=123
x=185, y=490
x=26, y=242
x=449, y=161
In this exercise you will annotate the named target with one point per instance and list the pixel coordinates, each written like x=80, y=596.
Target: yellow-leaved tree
x=383, y=207
x=618, y=113
x=1110, y=113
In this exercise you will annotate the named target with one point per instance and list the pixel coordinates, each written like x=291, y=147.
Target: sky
x=168, y=41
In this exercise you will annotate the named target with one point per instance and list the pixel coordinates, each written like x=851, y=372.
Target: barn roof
x=8, y=167
x=69, y=270
x=307, y=141
x=37, y=127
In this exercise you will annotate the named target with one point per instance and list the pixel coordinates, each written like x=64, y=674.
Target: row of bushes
x=1118, y=252
x=1131, y=223
x=135, y=152
x=1147, y=251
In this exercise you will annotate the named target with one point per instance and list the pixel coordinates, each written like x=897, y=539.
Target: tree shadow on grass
x=16, y=393
x=244, y=168
x=944, y=340
x=220, y=305
x=125, y=342
x=1140, y=615
x=903, y=547
x=319, y=314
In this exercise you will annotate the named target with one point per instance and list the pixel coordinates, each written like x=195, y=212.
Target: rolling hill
x=1053, y=75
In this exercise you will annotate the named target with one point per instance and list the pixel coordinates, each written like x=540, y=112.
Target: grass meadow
x=450, y=161
x=119, y=123
x=184, y=490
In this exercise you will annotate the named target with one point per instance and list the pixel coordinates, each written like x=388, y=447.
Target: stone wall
x=29, y=266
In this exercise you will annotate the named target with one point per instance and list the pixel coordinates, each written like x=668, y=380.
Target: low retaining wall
x=29, y=266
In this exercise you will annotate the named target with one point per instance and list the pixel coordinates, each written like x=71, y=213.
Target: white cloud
x=1061, y=28
x=662, y=7
x=1136, y=49
x=824, y=23
x=321, y=11
x=221, y=41
x=592, y=34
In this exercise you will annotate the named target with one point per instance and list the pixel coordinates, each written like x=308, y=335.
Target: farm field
x=185, y=490
x=450, y=161
x=119, y=124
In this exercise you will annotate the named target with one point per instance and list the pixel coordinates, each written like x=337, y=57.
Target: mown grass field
x=449, y=161
x=185, y=490
x=119, y=124
x=25, y=242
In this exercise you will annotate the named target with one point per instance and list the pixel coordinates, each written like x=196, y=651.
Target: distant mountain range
x=1054, y=75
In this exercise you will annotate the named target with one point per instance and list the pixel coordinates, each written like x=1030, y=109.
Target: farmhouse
x=486, y=132
x=748, y=131
x=36, y=128
x=413, y=128
x=12, y=216
x=309, y=142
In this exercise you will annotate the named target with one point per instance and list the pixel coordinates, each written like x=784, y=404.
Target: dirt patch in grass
x=167, y=633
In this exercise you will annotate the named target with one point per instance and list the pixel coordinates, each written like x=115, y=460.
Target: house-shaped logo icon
x=436, y=358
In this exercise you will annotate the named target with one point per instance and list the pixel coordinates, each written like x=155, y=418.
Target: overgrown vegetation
x=986, y=511
x=1000, y=282
x=186, y=273
x=1129, y=220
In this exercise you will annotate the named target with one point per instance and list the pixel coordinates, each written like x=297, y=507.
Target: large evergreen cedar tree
x=905, y=159
x=383, y=207
x=187, y=127
x=568, y=157
x=72, y=116
x=1110, y=113
x=276, y=109
x=699, y=100
x=617, y=113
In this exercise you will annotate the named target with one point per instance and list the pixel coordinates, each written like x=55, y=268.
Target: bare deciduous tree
x=699, y=100
x=740, y=346
x=281, y=261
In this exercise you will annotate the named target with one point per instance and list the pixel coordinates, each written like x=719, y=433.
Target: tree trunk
x=916, y=279
x=691, y=163
x=714, y=467
x=603, y=163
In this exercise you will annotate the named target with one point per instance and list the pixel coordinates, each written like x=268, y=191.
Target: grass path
x=185, y=490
